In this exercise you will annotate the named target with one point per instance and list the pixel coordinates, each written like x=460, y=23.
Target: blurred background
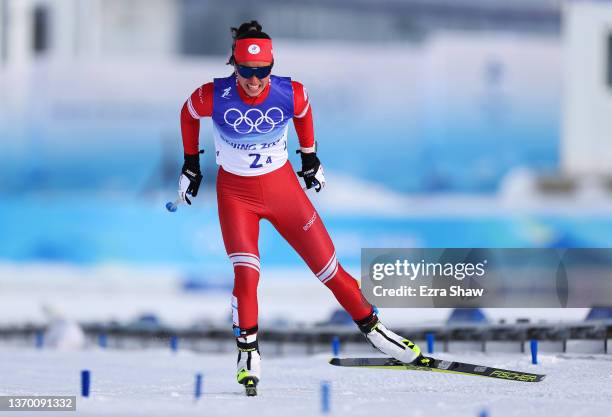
x=440, y=123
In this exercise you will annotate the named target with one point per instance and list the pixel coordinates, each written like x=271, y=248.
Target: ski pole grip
x=172, y=206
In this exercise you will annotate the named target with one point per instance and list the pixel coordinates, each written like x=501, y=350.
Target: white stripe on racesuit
x=249, y=265
x=192, y=109
x=327, y=264
x=303, y=113
x=245, y=259
x=331, y=275
x=243, y=254
x=329, y=270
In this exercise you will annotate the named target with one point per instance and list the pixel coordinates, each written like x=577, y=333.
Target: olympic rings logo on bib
x=245, y=123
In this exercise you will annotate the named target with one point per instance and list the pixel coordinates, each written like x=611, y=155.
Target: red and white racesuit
x=276, y=196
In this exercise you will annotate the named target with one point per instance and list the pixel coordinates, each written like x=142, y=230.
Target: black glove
x=312, y=171
x=191, y=177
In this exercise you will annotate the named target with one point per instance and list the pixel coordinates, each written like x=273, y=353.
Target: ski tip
x=334, y=361
x=539, y=378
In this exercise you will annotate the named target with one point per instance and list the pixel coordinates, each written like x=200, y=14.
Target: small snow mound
x=592, y=188
x=64, y=335
x=518, y=185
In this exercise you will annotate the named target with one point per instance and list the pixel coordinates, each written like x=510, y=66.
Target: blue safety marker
x=174, y=344
x=198, y=386
x=85, y=382
x=336, y=346
x=431, y=339
x=39, y=339
x=102, y=340
x=534, y=351
x=325, y=394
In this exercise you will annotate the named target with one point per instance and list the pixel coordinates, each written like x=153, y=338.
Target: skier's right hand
x=190, y=179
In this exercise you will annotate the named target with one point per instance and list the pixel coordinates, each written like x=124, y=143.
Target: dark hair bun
x=252, y=27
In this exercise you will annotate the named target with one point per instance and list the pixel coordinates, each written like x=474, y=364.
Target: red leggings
x=279, y=198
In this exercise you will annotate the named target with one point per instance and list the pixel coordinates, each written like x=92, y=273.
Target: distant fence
x=586, y=338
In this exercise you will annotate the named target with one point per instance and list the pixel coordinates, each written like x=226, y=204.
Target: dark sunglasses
x=259, y=72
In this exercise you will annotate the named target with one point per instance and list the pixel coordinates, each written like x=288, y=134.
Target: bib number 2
x=256, y=160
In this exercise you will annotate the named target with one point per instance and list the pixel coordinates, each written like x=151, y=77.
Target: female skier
x=250, y=111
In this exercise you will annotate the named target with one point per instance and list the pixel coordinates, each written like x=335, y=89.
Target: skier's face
x=253, y=86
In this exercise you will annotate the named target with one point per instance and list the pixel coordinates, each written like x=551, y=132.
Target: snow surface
x=159, y=383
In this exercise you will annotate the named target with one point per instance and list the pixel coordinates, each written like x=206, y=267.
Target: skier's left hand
x=312, y=171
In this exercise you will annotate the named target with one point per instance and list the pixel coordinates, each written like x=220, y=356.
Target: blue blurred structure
x=467, y=315
x=148, y=321
x=600, y=313
x=466, y=92
x=340, y=317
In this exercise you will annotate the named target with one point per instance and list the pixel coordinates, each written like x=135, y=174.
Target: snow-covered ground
x=158, y=383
